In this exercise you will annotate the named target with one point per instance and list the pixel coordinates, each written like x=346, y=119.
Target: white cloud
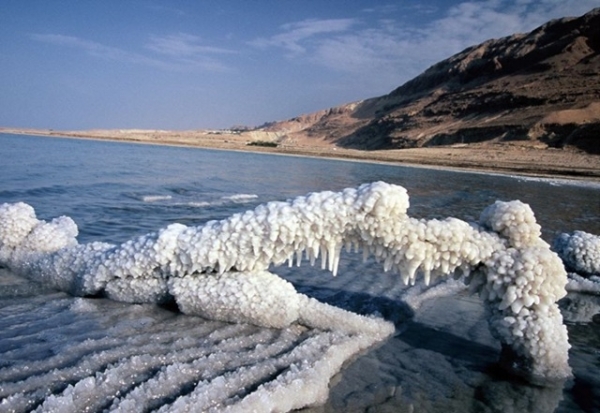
x=295, y=36
x=93, y=48
x=473, y=22
x=182, y=45
x=178, y=52
x=394, y=53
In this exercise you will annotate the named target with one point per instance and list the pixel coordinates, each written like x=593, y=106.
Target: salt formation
x=522, y=285
x=220, y=270
x=577, y=283
x=580, y=251
x=582, y=305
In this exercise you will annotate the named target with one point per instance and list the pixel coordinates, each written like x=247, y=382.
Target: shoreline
x=503, y=159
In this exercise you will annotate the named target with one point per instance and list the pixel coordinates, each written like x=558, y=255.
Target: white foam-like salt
x=580, y=251
x=198, y=204
x=240, y=197
x=221, y=271
x=156, y=198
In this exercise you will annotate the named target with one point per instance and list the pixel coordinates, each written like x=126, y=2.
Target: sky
x=214, y=64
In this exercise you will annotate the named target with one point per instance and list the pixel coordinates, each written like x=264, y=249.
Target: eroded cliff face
x=541, y=88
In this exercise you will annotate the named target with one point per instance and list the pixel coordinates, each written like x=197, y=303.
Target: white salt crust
x=219, y=270
x=580, y=252
x=577, y=283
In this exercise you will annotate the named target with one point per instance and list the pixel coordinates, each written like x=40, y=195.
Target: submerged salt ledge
x=220, y=270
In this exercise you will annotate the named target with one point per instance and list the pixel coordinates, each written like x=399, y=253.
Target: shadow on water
x=473, y=354
x=362, y=303
x=426, y=368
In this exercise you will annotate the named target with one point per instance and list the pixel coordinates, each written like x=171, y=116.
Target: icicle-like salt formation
x=219, y=270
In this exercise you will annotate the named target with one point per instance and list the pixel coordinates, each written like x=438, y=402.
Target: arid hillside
x=539, y=89
x=527, y=103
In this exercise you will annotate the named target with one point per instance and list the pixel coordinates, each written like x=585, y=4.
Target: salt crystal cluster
x=513, y=220
x=17, y=221
x=588, y=285
x=521, y=284
x=580, y=252
x=260, y=297
x=220, y=270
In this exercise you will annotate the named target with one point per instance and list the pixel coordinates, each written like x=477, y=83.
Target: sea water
x=442, y=358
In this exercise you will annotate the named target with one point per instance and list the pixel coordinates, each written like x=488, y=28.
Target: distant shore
x=515, y=158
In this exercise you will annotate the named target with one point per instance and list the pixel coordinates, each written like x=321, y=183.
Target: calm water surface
x=115, y=191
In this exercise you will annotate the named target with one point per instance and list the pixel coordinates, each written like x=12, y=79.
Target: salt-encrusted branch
x=219, y=269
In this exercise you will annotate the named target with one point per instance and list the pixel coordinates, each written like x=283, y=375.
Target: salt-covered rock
x=580, y=251
x=16, y=222
x=522, y=289
x=577, y=283
x=513, y=220
x=258, y=298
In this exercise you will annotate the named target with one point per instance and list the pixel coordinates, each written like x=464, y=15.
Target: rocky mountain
x=540, y=88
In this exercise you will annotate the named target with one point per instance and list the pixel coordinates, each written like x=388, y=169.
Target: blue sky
x=183, y=64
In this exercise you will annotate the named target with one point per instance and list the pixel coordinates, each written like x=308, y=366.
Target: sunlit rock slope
x=535, y=89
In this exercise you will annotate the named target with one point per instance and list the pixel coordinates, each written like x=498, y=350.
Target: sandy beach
x=519, y=157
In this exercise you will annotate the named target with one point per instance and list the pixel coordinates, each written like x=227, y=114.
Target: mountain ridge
x=540, y=88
